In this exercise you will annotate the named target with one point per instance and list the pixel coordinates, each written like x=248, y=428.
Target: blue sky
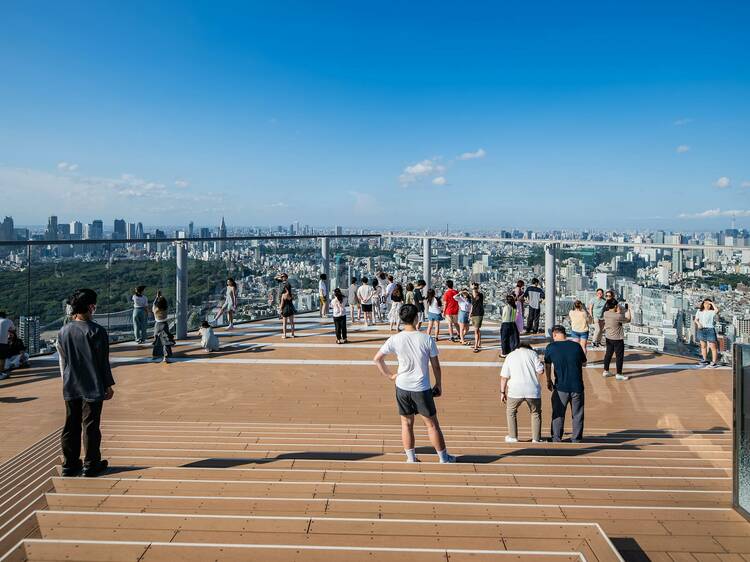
x=399, y=114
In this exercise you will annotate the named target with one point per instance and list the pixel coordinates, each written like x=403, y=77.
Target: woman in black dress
x=286, y=309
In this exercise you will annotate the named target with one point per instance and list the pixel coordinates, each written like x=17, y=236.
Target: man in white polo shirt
x=519, y=382
x=416, y=351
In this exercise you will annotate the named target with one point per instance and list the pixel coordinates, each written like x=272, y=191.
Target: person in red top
x=450, y=309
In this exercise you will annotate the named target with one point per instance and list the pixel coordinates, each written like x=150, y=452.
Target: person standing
x=287, y=311
x=338, y=309
x=509, y=338
x=397, y=301
x=464, y=307
x=434, y=313
x=419, y=300
x=354, y=306
x=409, y=294
x=163, y=338
x=519, y=293
x=596, y=310
x=365, y=295
x=579, y=324
x=377, y=297
x=140, y=314
x=450, y=309
x=568, y=359
x=476, y=315
x=323, y=295
x=209, y=340
x=6, y=325
x=705, y=323
x=416, y=351
x=534, y=296
x=614, y=336
x=83, y=350
x=230, y=303
x=519, y=383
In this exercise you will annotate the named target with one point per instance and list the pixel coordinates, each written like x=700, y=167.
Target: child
x=209, y=340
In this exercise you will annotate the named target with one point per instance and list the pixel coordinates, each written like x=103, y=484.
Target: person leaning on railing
x=140, y=314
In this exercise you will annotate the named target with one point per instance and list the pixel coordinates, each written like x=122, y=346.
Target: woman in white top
x=338, y=307
x=434, y=313
x=230, y=303
x=140, y=314
x=464, y=307
x=209, y=340
x=705, y=323
x=377, y=311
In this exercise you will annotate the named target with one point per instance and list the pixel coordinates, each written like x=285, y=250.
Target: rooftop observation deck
x=289, y=450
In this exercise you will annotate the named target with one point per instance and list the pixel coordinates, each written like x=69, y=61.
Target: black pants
x=618, y=348
x=532, y=320
x=162, y=346
x=509, y=337
x=79, y=413
x=340, y=323
x=560, y=401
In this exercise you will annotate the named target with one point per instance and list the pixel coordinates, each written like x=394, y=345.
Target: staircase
x=307, y=492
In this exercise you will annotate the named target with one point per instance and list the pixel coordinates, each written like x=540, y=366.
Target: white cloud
x=682, y=149
x=481, y=153
x=713, y=213
x=277, y=205
x=181, y=183
x=745, y=184
x=67, y=167
x=365, y=204
x=420, y=170
x=440, y=180
x=723, y=182
x=682, y=121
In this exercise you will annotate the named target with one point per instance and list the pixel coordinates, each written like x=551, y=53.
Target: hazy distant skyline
x=590, y=115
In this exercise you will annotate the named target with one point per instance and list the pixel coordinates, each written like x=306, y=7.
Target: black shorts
x=366, y=308
x=412, y=402
x=5, y=351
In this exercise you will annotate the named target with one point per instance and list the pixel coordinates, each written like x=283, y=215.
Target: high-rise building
x=7, y=229
x=339, y=231
x=119, y=231
x=205, y=232
x=76, y=230
x=220, y=245
x=28, y=331
x=63, y=231
x=95, y=230
x=51, y=232
x=139, y=232
x=191, y=230
x=131, y=231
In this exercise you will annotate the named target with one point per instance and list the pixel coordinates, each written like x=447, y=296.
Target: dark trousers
x=532, y=320
x=560, y=401
x=87, y=415
x=163, y=338
x=340, y=323
x=616, y=347
x=509, y=337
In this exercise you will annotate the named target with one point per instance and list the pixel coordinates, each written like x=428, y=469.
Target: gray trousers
x=598, y=331
x=535, y=408
x=560, y=401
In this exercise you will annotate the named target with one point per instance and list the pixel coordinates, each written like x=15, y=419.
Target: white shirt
x=5, y=326
x=365, y=293
x=139, y=301
x=352, y=293
x=464, y=304
x=322, y=288
x=522, y=368
x=339, y=308
x=413, y=350
x=434, y=307
x=706, y=318
x=390, y=288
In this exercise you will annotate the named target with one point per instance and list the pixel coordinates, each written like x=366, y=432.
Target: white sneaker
x=606, y=374
x=509, y=439
x=622, y=377
x=448, y=459
x=415, y=460
x=537, y=441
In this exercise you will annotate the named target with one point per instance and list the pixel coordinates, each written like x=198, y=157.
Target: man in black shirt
x=83, y=346
x=568, y=359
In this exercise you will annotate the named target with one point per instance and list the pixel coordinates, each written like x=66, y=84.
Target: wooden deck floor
x=289, y=450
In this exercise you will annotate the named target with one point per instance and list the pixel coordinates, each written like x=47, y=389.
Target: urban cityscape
x=663, y=286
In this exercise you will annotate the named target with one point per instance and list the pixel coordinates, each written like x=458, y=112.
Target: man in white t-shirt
x=416, y=351
x=323, y=295
x=519, y=382
x=365, y=295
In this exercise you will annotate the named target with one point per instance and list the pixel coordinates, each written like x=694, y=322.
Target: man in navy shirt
x=568, y=359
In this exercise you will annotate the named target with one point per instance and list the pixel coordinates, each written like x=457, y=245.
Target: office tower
x=63, y=231
x=131, y=231
x=139, y=232
x=51, y=232
x=76, y=230
x=220, y=245
x=205, y=232
x=659, y=237
x=96, y=230
x=191, y=230
x=677, y=265
x=602, y=281
x=28, y=331
x=339, y=231
x=119, y=231
x=7, y=229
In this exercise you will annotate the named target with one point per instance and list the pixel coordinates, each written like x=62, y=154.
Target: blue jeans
x=139, y=324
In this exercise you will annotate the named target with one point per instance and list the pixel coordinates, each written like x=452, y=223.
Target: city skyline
x=598, y=116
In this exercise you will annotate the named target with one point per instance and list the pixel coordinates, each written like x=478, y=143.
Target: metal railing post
x=550, y=291
x=427, y=260
x=181, y=292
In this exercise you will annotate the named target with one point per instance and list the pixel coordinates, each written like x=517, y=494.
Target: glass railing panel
x=15, y=297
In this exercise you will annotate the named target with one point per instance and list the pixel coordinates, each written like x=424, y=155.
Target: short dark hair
x=323, y=276
x=408, y=313
x=81, y=300
x=354, y=279
x=600, y=290
x=535, y=281
x=559, y=329
x=205, y=324
x=3, y=314
x=409, y=287
x=421, y=283
x=364, y=280
x=139, y=289
x=449, y=283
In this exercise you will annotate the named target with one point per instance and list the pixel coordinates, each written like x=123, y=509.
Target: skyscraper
x=131, y=230
x=97, y=230
x=191, y=230
x=7, y=229
x=221, y=245
x=139, y=233
x=120, y=231
x=28, y=331
x=76, y=230
x=51, y=232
